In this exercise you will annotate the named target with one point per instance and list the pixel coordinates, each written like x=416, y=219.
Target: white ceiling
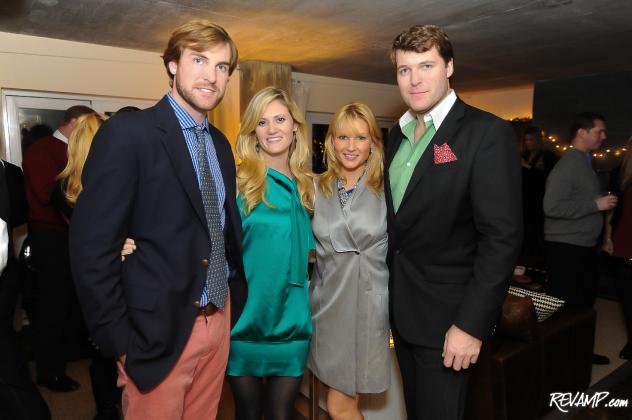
x=498, y=44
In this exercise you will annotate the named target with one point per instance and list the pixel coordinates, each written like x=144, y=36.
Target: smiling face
x=275, y=130
x=200, y=79
x=352, y=144
x=423, y=79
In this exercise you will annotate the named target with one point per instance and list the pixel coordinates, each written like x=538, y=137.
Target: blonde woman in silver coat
x=349, y=290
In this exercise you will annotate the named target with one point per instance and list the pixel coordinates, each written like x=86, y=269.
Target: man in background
x=573, y=208
x=48, y=234
x=19, y=397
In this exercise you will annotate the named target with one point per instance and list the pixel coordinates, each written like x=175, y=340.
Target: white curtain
x=300, y=94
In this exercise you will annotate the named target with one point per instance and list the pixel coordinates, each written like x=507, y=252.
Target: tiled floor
x=610, y=337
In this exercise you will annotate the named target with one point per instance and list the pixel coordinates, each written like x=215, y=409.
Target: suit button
x=196, y=303
x=397, y=251
x=204, y=261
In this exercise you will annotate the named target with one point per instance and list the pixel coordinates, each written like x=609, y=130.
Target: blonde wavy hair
x=251, y=173
x=345, y=118
x=78, y=147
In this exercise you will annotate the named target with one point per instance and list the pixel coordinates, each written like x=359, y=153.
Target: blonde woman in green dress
x=271, y=339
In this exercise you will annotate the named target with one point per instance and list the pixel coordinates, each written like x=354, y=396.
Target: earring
x=294, y=136
x=257, y=146
x=370, y=151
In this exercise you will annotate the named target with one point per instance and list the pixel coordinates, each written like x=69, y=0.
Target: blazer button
x=397, y=251
x=196, y=303
x=204, y=261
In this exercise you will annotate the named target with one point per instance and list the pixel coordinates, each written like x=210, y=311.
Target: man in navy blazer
x=165, y=311
x=453, y=193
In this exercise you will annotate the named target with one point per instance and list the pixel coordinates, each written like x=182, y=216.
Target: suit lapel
x=444, y=134
x=394, y=140
x=175, y=144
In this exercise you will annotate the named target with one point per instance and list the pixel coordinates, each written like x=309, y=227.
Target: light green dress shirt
x=407, y=156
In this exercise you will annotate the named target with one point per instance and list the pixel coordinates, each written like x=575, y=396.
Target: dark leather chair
x=526, y=360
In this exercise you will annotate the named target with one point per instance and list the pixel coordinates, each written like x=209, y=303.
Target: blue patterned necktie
x=216, y=285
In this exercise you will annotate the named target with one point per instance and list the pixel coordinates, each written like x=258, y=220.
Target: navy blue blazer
x=139, y=182
x=456, y=236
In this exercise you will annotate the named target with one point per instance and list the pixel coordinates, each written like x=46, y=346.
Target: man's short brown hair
x=76, y=111
x=199, y=35
x=421, y=38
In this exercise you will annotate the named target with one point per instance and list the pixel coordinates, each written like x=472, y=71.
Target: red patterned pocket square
x=443, y=154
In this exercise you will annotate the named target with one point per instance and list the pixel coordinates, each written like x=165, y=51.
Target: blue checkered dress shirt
x=188, y=125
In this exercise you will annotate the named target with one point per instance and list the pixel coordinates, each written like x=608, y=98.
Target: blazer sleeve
x=4, y=245
x=98, y=229
x=496, y=197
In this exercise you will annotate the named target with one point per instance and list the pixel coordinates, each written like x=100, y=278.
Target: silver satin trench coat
x=349, y=293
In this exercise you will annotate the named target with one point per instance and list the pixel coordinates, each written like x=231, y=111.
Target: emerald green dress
x=273, y=333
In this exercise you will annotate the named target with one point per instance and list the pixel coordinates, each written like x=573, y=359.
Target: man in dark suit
x=165, y=177
x=48, y=235
x=19, y=397
x=5, y=253
x=452, y=178
x=15, y=205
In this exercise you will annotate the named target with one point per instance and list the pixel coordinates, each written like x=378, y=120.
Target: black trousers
x=19, y=397
x=8, y=294
x=624, y=285
x=55, y=295
x=573, y=273
x=103, y=375
x=431, y=391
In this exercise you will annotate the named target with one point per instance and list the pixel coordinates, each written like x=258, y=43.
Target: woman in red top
x=618, y=243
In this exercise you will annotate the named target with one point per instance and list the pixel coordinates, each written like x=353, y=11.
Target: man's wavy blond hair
x=251, y=173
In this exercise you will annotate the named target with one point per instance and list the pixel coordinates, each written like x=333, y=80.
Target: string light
x=598, y=154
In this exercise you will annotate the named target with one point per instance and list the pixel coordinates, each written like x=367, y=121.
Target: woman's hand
x=128, y=248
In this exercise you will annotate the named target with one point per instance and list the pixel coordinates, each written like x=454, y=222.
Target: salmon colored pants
x=193, y=387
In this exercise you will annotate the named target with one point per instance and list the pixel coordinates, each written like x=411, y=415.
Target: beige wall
x=506, y=103
x=326, y=94
x=36, y=63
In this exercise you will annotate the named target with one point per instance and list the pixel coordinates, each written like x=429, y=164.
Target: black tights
x=274, y=397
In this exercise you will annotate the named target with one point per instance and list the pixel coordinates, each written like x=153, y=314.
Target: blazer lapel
x=394, y=140
x=176, y=147
x=444, y=134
